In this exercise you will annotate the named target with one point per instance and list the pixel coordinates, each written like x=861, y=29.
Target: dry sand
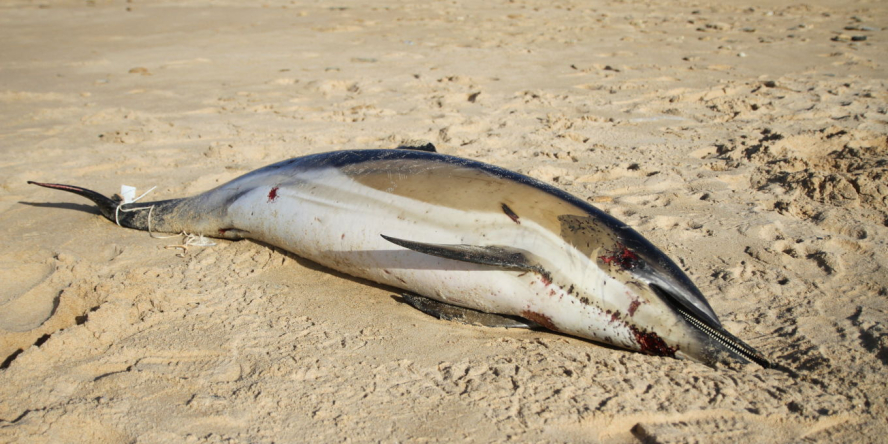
x=747, y=140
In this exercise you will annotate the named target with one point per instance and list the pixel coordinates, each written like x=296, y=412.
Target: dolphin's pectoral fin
x=427, y=147
x=487, y=255
x=449, y=312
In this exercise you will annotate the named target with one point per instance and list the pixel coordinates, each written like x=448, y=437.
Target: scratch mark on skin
x=511, y=214
x=273, y=194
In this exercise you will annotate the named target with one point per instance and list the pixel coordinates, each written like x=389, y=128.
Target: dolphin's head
x=658, y=304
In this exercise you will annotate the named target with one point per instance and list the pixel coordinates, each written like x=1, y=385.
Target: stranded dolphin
x=460, y=236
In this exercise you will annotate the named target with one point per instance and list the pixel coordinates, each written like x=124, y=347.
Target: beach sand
x=748, y=141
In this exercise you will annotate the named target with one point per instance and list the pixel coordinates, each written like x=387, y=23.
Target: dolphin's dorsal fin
x=428, y=147
x=497, y=256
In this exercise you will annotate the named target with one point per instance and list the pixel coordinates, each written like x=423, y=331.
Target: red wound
x=652, y=344
x=273, y=194
x=622, y=256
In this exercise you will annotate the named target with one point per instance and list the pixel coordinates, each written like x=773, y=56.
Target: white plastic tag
x=128, y=193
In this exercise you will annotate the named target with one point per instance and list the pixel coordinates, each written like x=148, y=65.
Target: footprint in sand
x=27, y=300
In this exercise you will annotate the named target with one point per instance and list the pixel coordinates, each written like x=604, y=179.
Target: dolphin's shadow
x=311, y=265
x=92, y=209
x=410, y=260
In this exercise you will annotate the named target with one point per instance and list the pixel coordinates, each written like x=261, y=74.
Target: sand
x=747, y=139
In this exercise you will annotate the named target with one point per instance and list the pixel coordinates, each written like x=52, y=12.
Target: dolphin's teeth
x=724, y=338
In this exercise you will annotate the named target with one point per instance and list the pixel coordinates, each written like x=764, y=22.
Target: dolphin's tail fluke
x=149, y=216
x=106, y=205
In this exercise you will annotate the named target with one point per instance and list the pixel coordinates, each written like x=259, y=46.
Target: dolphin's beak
x=718, y=342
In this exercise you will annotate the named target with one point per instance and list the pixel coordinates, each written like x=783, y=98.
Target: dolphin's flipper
x=464, y=315
x=487, y=255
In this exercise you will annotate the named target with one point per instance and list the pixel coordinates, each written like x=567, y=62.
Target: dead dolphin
x=464, y=234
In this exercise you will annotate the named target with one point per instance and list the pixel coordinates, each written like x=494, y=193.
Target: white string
x=198, y=240
x=129, y=210
x=190, y=240
x=123, y=202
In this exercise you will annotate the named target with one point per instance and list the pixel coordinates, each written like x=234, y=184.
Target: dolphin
x=459, y=236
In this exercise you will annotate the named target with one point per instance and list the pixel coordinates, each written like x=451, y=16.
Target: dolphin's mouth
x=716, y=332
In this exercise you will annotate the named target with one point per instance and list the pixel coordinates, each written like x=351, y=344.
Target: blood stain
x=651, y=343
x=539, y=318
x=622, y=256
x=632, y=307
x=273, y=194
